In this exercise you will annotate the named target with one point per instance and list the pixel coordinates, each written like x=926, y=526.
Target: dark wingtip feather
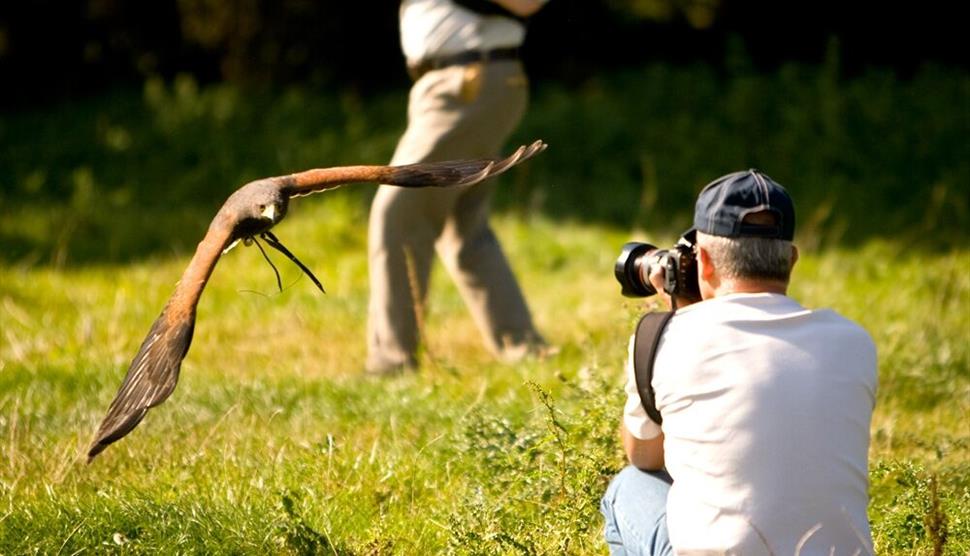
x=118, y=430
x=151, y=378
x=96, y=448
x=459, y=172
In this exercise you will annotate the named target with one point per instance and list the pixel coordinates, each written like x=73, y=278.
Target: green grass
x=275, y=441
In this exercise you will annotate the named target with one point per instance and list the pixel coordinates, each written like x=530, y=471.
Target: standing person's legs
x=468, y=246
x=635, y=509
x=474, y=258
x=453, y=113
x=401, y=246
x=404, y=223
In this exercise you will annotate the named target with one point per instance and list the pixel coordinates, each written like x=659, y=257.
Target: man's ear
x=706, y=266
x=794, y=257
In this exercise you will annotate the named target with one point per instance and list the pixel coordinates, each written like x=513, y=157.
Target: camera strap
x=646, y=340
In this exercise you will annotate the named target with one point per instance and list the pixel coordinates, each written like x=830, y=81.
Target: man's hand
x=656, y=278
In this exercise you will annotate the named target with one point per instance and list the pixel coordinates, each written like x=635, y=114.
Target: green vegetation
x=275, y=441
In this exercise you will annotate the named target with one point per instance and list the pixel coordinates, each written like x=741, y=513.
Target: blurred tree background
x=112, y=112
x=52, y=49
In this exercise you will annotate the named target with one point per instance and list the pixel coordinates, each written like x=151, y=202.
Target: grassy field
x=276, y=442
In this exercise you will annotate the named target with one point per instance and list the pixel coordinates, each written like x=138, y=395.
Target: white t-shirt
x=766, y=412
x=431, y=28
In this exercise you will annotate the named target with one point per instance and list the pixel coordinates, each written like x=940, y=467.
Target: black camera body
x=632, y=268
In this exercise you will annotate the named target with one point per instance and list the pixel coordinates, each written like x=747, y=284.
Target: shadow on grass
x=129, y=175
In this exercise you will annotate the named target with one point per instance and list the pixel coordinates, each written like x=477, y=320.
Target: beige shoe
x=384, y=368
x=534, y=347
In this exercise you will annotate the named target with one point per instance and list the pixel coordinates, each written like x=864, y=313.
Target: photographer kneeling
x=760, y=435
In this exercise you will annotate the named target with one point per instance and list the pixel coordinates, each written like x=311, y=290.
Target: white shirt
x=766, y=412
x=431, y=28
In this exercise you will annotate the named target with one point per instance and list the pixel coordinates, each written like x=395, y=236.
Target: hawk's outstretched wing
x=425, y=174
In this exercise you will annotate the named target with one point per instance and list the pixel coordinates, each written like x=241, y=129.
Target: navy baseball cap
x=723, y=204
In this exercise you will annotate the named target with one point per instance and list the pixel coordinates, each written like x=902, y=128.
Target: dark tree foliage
x=56, y=49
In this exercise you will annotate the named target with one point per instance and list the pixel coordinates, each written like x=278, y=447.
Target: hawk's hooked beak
x=269, y=213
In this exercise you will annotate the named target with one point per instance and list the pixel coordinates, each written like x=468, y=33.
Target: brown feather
x=425, y=174
x=154, y=371
x=151, y=378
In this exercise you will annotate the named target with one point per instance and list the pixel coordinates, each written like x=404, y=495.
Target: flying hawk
x=248, y=214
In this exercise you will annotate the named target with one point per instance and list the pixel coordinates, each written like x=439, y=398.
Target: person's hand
x=657, y=277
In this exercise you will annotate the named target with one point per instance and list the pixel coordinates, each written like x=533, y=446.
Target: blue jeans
x=635, y=508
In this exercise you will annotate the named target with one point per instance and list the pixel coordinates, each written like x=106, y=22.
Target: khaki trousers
x=457, y=112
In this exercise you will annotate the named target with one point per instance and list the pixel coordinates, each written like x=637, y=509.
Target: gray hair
x=750, y=258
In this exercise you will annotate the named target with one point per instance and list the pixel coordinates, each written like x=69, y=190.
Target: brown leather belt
x=460, y=59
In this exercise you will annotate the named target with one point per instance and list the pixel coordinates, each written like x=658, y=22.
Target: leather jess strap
x=460, y=59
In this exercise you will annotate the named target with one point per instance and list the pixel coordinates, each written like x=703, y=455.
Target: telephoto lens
x=632, y=269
